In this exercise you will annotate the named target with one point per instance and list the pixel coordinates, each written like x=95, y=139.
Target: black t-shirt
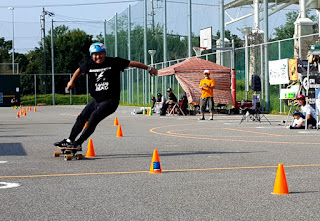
x=173, y=97
x=104, y=79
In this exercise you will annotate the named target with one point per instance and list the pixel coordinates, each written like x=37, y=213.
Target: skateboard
x=68, y=153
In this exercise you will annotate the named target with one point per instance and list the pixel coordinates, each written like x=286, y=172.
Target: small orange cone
x=90, y=151
x=85, y=125
x=116, y=123
x=280, y=184
x=155, y=166
x=148, y=111
x=18, y=114
x=24, y=112
x=119, y=132
x=35, y=109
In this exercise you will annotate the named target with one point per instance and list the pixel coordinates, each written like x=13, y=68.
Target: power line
x=70, y=5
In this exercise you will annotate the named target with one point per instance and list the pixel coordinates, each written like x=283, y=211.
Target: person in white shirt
x=307, y=111
x=298, y=122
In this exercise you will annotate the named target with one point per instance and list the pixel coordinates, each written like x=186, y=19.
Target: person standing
x=104, y=87
x=206, y=85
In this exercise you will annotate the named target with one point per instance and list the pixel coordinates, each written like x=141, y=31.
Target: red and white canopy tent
x=189, y=73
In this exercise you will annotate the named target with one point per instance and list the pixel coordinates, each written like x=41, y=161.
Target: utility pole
x=43, y=36
x=152, y=16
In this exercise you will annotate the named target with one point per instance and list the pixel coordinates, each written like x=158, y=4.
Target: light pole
x=12, y=8
x=152, y=53
x=246, y=31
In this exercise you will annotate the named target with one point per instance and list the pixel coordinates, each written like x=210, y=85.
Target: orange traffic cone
x=148, y=111
x=24, y=112
x=35, y=109
x=90, y=151
x=85, y=125
x=116, y=123
x=119, y=132
x=155, y=166
x=18, y=114
x=280, y=184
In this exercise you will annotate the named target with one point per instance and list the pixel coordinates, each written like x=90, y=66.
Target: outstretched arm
x=75, y=76
x=137, y=64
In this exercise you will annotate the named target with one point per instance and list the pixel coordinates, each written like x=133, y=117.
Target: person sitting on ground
x=298, y=122
x=172, y=99
x=307, y=111
x=159, y=103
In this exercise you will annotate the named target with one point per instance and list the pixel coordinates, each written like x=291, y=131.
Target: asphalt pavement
x=211, y=170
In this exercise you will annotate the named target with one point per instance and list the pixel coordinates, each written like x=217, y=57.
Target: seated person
x=298, y=122
x=159, y=102
x=153, y=99
x=14, y=102
x=307, y=112
x=172, y=99
x=183, y=102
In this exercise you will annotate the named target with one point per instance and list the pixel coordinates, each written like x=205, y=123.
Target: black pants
x=93, y=113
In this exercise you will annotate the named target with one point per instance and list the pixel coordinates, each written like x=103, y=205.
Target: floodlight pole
x=12, y=9
x=246, y=31
x=189, y=29
x=266, y=61
x=222, y=31
x=152, y=53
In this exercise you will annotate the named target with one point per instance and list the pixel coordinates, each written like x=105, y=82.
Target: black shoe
x=63, y=143
x=75, y=145
x=201, y=118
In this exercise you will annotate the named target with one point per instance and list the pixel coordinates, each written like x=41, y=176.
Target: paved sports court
x=212, y=170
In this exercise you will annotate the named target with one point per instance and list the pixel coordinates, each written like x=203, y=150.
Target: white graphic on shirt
x=100, y=76
x=102, y=86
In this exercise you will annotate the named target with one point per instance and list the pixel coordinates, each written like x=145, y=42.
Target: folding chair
x=175, y=109
x=253, y=113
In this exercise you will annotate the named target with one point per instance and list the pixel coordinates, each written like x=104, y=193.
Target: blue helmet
x=97, y=47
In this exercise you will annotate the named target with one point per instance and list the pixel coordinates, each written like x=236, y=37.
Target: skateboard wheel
x=67, y=157
x=79, y=156
x=56, y=153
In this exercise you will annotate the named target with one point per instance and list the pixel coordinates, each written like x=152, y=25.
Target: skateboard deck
x=68, y=153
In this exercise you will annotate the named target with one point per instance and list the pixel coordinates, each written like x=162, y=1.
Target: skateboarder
x=104, y=87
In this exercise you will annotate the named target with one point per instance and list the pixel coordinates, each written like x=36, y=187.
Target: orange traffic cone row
x=155, y=166
x=90, y=151
x=119, y=132
x=280, y=184
x=18, y=114
x=116, y=123
x=85, y=125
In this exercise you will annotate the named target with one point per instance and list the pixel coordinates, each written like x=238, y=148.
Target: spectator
x=206, y=85
x=172, y=99
x=298, y=122
x=307, y=111
x=159, y=103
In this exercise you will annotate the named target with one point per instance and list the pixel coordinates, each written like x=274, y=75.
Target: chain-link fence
x=124, y=36
x=138, y=87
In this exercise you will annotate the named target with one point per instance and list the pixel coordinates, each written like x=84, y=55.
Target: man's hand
x=153, y=71
x=70, y=85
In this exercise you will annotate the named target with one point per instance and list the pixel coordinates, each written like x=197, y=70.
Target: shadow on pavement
x=12, y=149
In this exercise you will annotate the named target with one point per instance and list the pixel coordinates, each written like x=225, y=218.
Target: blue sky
x=89, y=17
